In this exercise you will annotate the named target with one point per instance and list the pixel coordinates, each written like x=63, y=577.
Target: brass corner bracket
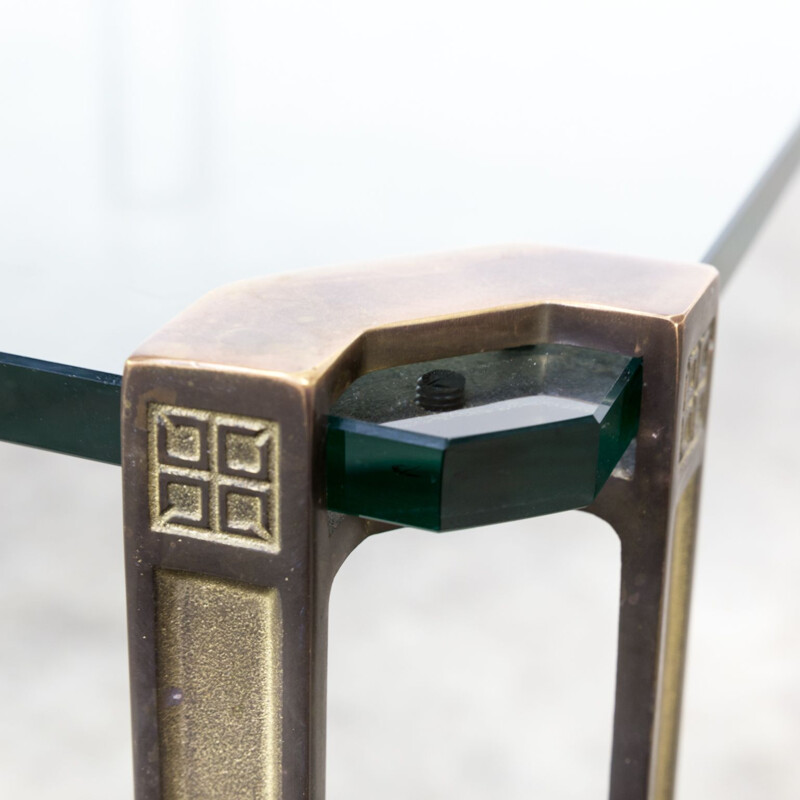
x=231, y=551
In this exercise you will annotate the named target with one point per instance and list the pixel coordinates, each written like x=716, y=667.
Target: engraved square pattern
x=213, y=475
x=695, y=393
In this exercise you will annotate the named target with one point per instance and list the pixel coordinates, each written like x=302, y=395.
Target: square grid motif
x=213, y=475
x=695, y=394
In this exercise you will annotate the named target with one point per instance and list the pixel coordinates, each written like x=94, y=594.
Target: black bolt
x=440, y=390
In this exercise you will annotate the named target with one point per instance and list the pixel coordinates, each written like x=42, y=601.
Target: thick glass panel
x=522, y=432
x=56, y=407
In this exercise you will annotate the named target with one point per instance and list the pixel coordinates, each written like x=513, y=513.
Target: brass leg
x=227, y=603
x=655, y=516
x=654, y=605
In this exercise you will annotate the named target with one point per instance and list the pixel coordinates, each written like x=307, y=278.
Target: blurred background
x=151, y=151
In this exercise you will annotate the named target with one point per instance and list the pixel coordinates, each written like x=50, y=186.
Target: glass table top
x=144, y=164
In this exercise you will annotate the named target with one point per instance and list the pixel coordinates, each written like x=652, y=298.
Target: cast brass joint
x=231, y=549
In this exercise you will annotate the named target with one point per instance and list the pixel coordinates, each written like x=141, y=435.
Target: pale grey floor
x=470, y=665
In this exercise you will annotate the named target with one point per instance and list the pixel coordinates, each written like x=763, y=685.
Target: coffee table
x=706, y=203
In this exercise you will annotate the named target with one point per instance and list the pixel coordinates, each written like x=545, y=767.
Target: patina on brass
x=219, y=641
x=228, y=539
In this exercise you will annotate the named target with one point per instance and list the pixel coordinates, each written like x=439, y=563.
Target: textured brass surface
x=213, y=475
x=283, y=349
x=681, y=562
x=219, y=666
x=696, y=391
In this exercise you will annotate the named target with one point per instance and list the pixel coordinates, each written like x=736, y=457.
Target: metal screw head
x=440, y=390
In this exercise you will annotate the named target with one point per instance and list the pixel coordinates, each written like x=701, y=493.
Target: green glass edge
x=619, y=420
x=520, y=473
x=381, y=494
x=76, y=412
x=406, y=486
x=60, y=408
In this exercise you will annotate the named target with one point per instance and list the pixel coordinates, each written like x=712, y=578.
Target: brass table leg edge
x=676, y=625
x=655, y=516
